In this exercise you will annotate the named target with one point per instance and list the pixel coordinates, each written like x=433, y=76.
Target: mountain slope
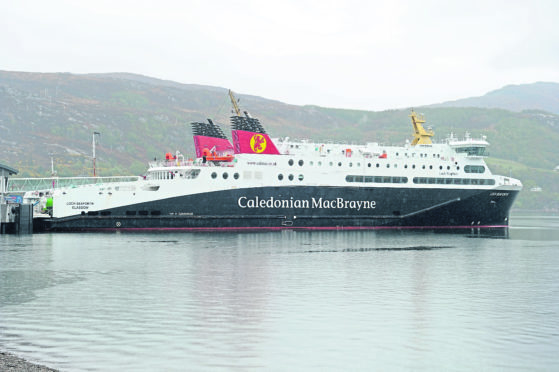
x=539, y=96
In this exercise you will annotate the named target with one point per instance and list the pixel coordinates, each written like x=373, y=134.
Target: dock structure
x=15, y=217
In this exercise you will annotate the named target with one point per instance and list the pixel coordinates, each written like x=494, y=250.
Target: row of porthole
x=291, y=162
x=225, y=175
x=290, y=177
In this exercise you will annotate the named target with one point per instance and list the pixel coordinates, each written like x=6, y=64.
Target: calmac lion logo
x=258, y=143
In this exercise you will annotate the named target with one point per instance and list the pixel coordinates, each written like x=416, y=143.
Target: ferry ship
x=255, y=182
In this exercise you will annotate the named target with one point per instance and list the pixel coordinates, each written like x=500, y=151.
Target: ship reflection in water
x=304, y=300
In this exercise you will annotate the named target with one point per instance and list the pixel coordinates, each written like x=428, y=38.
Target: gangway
x=23, y=185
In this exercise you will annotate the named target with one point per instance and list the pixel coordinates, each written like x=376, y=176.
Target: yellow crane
x=234, y=102
x=421, y=136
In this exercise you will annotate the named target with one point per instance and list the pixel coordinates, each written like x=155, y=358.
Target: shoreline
x=12, y=363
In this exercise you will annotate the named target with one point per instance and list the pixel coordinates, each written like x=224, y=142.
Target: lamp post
x=93, y=146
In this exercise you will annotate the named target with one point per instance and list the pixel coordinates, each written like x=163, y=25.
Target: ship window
x=440, y=167
x=430, y=167
x=474, y=169
x=358, y=178
x=155, y=213
x=458, y=168
x=105, y=213
x=331, y=163
x=290, y=160
x=225, y=175
x=413, y=166
x=358, y=164
x=130, y=213
x=368, y=179
x=301, y=162
x=319, y=163
x=397, y=154
x=378, y=165
x=192, y=173
x=236, y=176
x=472, y=151
x=378, y=179
x=405, y=166
x=311, y=162
x=387, y=165
x=423, y=166
x=339, y=164
x=395, y=165
x=351, y=164
x=214, y=175
x=301, y=177
x=448, y=181
x=92, y=213
x=448, y=167
x=457, y=181
x=280, y=176
x=490, y=182
x=290, y=177
x=369, y=165
x=143, y=213
x=350, y=178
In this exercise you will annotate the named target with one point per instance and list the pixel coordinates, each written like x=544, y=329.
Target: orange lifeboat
x=225, y=158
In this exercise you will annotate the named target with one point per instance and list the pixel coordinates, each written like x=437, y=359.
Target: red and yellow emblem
x=258, y=143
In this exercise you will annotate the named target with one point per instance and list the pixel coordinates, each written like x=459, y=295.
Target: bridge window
x=472, y=151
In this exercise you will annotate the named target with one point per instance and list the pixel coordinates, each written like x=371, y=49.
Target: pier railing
x=21, y=185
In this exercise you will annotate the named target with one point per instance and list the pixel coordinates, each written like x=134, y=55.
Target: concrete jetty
x=15, y=217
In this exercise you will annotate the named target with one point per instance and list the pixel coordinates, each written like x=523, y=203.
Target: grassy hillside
x=140, y=118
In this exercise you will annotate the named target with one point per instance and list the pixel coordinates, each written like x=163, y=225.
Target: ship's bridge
x=470, y=146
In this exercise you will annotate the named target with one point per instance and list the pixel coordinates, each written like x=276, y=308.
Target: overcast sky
x=371, y=55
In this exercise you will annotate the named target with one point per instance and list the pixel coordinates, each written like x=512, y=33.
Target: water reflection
x=283, y=300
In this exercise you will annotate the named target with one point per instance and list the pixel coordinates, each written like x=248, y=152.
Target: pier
x=15, y=217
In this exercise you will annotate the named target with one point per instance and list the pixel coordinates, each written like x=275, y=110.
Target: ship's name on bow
x=79, y=205
x=315, y=203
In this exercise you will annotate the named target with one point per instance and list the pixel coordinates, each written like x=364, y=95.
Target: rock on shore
x=12, y=363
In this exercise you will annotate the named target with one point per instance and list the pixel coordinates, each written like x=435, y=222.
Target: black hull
x=322, y=208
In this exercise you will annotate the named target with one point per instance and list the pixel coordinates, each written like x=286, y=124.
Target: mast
x=421, y=136
x=234, y=102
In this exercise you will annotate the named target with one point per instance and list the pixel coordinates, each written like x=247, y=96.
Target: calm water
x=284, y=300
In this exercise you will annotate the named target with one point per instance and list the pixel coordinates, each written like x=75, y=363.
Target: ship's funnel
x=208, y=136
x=245, y=142
x=249, y=137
